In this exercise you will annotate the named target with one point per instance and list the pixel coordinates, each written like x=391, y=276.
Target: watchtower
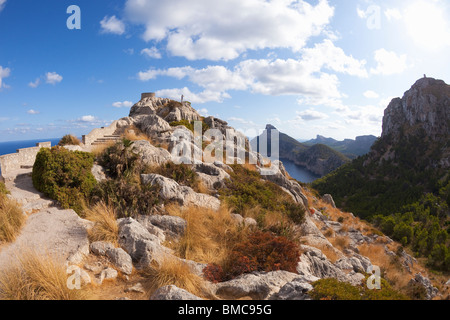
x=147, y=95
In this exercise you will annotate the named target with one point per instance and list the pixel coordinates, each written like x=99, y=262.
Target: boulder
x=327, y=198
x=186, y=196
x=296, y=289
x=173, y=225
x=152, y=125
x=98, y=172
x=121, y=260
x=142, y=246
x=431, y=291
x=153, y=229
x=107, y=274
x=150, y=154
x=173, y=293
x=257, y=285
x=100, y=247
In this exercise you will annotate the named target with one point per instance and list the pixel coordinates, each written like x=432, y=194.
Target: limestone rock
x=327, y=198
x=121, y=260
x=175, y=226
x=150, y=154
x=172, y=191
x=296, y=289
x=258, y=285
x=431, y=291
x=107, y=274
x=142, y=246
x=173, y=293
x=98, y=172
x=100, y=247
x=138, y=288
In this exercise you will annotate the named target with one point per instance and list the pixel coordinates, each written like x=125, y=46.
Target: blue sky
x=307, y=67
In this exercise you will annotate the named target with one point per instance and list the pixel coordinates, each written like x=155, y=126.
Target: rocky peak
x=425, y=106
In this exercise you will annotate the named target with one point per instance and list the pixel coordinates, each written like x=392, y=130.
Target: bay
x=12, y=146
x=299, y=173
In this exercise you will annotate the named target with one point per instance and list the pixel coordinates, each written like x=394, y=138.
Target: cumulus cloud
x=307, y=76
x=124, y=104
x=112, y=25
x=53, y=78
x=31, y=111
x=4, y=73
x=203, y=112
x=389, y=63
x=88, y=118
x=151, y=53
x=202, y=97
x=195, y=30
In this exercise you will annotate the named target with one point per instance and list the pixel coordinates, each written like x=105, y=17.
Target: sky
x=308, y=67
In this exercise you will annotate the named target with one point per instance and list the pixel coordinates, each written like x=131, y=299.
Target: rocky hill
x=158, y=227
x=348, y=147
x=406, y=171
x=319, y=158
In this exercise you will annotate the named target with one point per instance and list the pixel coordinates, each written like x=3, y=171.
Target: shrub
x=246, y=190
x=129, y=198
x=69, y=140
x=119, y=160
x=64, y=176
x=190, y=125
x=332, y=289
x=181, y=173
x=263, y=251
x=3, y=190
x=213, y=273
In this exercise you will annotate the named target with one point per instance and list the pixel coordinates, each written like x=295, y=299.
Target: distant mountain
x=350, y=148
x=319, y=159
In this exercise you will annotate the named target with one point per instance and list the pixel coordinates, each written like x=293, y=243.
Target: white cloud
x=389, y=63
x=124, y=104
x=88, y=119
x=203, y=112
x=31, y=111
x=35, y=84
x=242, y=121
x=53, y=78
x=2, y=4
x=151, y=53
x=112, y=25
x=393, y=14
x=369, y=94
x=361, y=13
x=202, y=97
x=4, y=73
x=311, y=115
x=196, y=29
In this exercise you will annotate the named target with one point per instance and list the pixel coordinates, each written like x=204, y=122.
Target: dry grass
x=105, y=224
x=11, y=219
x=340, y=242
x=330, y=253
x=210, y=236
x=97, y=150
x=172, y=271
x=38, y=277
x=133, y=133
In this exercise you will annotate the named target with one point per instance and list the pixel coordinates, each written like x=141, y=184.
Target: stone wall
x=23, y=158
x=148, y=95
x=99, y=133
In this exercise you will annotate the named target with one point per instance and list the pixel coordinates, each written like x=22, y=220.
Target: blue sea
x=12, y=146
x=299, y=173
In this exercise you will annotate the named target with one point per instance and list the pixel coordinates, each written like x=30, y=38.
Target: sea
x=12, y=146
x=299, y=173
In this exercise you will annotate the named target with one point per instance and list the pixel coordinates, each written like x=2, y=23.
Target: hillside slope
x=348, y=147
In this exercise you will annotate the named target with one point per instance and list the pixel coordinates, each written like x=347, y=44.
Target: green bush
x=246, y=190
x=119, y=160
x=69, y=139
x=3, y=190
x=129, y=198
x=64, y=176
x=181, y=173
x=332, y=289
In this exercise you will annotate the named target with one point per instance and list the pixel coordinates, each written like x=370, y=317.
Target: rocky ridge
x=141, y=240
